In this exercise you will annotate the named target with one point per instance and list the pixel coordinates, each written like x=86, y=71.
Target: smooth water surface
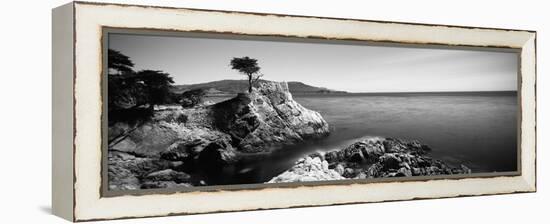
x=475, y=129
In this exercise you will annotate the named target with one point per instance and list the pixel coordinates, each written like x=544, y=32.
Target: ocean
x=478, y=129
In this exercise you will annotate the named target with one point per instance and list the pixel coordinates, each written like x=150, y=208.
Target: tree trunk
x=250, y=83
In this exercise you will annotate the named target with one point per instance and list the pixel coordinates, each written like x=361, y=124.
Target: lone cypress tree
x=249, y=67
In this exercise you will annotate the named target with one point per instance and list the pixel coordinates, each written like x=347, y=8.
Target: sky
x=352, y=68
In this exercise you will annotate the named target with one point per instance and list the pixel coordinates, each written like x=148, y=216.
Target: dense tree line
x=133, y=94
x=129, y=88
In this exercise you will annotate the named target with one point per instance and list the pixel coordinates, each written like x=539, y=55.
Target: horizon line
x=350, y=92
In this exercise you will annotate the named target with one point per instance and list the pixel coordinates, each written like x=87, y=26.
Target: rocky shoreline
x=181, y=143
x=372, y=157
x=178, y=142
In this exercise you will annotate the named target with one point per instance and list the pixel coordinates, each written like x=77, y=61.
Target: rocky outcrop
x=192, y=98
x=308, y=169
x=372, y=157
x=267, y=116
x=130, y=172
x=207, y=137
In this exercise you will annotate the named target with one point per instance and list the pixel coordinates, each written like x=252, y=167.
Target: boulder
x=308, y=169
x=389, y=161
x=374, y=170
x=349, y=173
x=126, y=170
x=215, y=156
x=404, y=172
x=366, y=150
x=192, y=98
x=334, y=156
x=340, y=169
x=399, y=145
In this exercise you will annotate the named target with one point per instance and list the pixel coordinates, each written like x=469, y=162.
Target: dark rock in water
x=390, y=145
x=426, y=148
x=211, y=158
x=398, y=145
x=423, y=162
x=376, y=157
x=213, y=155
x=333, y=157
x=389, y=162
x=367, y=150
x=353, y=154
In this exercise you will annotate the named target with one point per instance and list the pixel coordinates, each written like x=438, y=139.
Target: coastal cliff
x=167, y=149
x=178, y=144
x=371, y=157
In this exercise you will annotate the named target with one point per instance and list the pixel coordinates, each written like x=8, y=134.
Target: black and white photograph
x=190, y=111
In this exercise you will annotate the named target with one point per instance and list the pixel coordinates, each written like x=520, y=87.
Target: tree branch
x=257, y=78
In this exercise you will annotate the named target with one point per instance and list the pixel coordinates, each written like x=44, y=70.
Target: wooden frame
x=77, y=110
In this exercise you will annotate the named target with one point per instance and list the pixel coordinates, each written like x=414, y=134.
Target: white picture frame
x=77, y=110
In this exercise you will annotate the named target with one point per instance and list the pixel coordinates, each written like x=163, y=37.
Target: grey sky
x=350, y=68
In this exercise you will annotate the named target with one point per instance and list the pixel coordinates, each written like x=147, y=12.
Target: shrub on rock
x=192, y=98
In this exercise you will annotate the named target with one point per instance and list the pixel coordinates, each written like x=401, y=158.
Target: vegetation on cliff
x=206, y=138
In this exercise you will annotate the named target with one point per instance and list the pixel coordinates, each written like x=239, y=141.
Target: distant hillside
x=230, y=87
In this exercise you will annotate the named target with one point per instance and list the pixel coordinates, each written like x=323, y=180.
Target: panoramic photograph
x=197, y=111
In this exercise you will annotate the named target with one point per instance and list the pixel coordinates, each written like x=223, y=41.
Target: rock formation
x=177, y=141
x=308, y=169
x=265, y=117
x=372, y=157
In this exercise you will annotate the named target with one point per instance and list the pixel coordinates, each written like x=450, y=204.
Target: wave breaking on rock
x=372, y=157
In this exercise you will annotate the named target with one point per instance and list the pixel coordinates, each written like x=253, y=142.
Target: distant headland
x=231, y=87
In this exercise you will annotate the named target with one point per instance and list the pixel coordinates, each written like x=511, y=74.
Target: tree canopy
x=119, y=62
x=249, y=67
x=157, y=85
x=129, y=89
x=132, y=95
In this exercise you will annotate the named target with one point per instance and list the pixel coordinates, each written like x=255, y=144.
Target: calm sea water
x=475, y=129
